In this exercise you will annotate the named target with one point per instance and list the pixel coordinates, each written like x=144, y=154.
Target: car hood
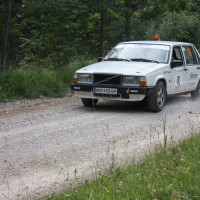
x=122, y=67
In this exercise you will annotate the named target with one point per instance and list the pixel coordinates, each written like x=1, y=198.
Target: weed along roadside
x=35, y=82
x=170, y=174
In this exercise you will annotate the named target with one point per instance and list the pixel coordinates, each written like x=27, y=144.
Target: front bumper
x=125, y=93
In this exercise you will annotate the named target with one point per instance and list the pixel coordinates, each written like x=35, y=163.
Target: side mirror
x=176, y=63
x=100, y=59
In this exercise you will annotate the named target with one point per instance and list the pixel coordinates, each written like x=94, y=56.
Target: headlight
x=131, y=80
x=85, y=78
x=134, y=81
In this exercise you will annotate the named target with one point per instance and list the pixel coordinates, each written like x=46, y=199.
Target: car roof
x=171, y=43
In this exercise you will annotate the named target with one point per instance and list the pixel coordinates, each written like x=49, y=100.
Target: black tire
x=196, y=94
x=89, y=102
x=157, y=99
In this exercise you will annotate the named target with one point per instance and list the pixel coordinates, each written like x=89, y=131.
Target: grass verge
x=173, y=174
x=17, y=84
x=33, y=82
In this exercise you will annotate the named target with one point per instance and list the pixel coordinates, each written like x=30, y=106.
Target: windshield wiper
x=118, y=59
x=143, y=60
x=133, y=59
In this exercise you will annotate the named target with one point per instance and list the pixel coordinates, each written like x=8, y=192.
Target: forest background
x=42, y=42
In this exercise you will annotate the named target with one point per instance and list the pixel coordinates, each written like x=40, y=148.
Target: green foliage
x=53, y=36
x=172, y=174
x=180, y=27
x=15, y=84
x=48, y=33
x=31, y=81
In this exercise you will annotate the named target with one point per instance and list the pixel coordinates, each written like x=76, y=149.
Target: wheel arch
x=157, y=97
x=164, y=81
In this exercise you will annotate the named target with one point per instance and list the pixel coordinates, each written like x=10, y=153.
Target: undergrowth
x=34, y=82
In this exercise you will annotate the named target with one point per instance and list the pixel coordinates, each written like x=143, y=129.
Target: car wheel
x=157, y=99
x=89, y=102
x=195, y=94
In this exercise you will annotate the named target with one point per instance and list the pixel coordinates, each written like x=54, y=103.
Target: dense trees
x=47, y=33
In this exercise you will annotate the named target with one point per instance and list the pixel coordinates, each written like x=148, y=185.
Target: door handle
x=185, y=69
x=198, y=67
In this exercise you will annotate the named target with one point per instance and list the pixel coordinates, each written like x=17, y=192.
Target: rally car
x=138, y=70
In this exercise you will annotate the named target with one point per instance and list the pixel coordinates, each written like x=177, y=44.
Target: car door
x=178, y=73
x=191, y=68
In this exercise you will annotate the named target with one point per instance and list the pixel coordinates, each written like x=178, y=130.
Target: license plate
x=105, y=90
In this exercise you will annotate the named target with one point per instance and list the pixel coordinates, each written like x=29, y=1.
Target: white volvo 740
x=133, y=71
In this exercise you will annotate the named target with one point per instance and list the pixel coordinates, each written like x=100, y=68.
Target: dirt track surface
x=47, y=145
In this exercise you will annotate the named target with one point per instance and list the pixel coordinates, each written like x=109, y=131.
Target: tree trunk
x=6, y=33
x=130, y=8
x=127, y=25
x=102, y=31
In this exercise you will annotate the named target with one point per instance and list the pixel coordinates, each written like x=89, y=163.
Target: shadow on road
x=141, y=106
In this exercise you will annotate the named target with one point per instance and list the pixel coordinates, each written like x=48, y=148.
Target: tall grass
x=33, y=82
x=16, y=84
x=173, y=174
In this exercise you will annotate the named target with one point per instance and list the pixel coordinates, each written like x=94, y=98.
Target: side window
x=189, y=55
x=197, y=55
x=176, y=54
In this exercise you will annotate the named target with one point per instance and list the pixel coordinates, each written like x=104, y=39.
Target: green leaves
x=49, y=32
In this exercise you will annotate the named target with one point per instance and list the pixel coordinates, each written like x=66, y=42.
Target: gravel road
x=47, y=145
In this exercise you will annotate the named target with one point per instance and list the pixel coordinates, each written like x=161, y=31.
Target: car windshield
x=139, y=52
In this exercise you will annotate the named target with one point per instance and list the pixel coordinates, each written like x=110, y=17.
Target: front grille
x=107, y=79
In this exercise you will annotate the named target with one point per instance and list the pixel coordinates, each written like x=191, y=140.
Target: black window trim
x=191, y=47
x=182, y=55
x=197, y=55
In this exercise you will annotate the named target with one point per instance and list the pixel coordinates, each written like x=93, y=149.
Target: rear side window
x=189, y=55
x=197, y=55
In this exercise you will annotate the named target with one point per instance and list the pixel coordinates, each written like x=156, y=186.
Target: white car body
x=179, y=78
